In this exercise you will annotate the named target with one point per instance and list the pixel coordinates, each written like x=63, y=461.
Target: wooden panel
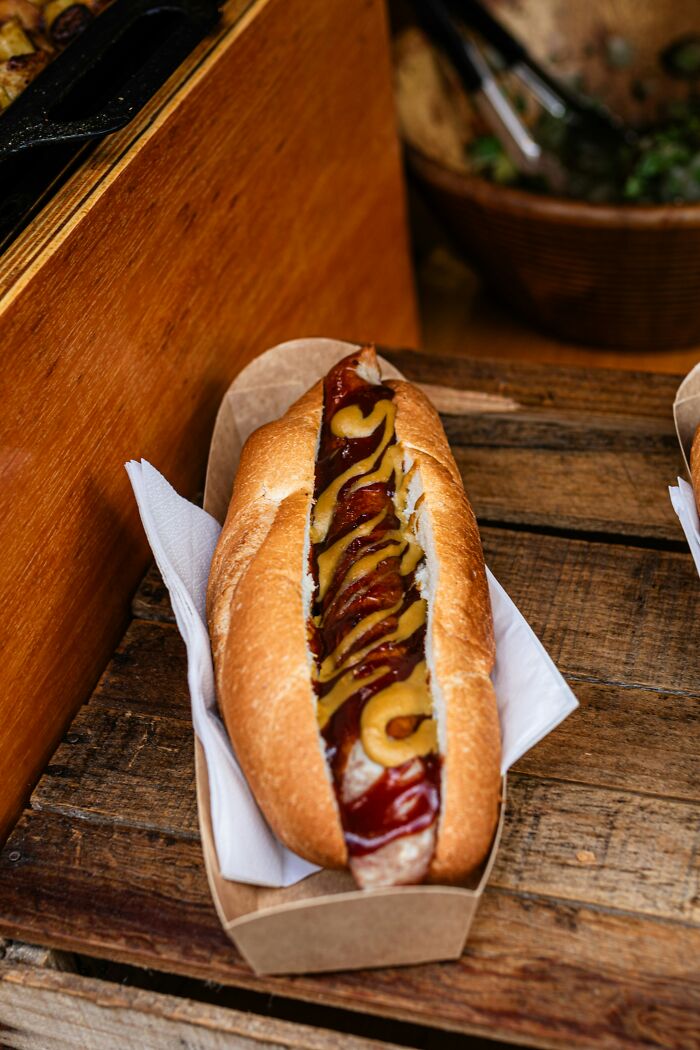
x=132, y=769
x=123, y=892
x=121, y=767
x=50, y=1011
x=148, y=672
x=151, y=600
x=661, y=752
x=615, y=613
x=611, y=848
x=206, y=243
x=469, y=420
x=537, y=386
x=592, y=974
x=124, y=763
x=610, y=492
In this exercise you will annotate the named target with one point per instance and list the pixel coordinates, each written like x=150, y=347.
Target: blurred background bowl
x=622, y=275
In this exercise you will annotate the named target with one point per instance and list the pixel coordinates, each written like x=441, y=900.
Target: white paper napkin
x=683, y=500
x=532, y=696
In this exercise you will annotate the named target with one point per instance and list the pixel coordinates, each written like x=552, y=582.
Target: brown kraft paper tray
x=686, y=412
x=322, y=923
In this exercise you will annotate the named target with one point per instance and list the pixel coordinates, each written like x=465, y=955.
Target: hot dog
x=352, y=635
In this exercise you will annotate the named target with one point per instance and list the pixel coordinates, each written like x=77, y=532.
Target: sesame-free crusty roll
x=352, y=635
x=695, y=466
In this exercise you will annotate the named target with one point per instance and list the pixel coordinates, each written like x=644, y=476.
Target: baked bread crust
x=460, y=628
x=263, y=664
x=695, y=466
x=262, y=668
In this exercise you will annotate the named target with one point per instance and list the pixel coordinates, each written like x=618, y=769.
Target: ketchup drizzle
x=405, y=799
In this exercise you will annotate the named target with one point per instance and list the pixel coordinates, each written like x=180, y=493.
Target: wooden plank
x=120, y=892
x=604, y=611
x=127, y=764
x=592, y=391
x=251, y=219
x=482, y=424
x=148, y=672
x=125, y=769
x=623, y=493
x=151, y=601
x=50, y=1011
x=17, y=953
x=615, y=849
x=558, y=974
x=624, y=738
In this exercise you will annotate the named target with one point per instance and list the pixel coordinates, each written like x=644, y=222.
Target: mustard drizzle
x=348, y=427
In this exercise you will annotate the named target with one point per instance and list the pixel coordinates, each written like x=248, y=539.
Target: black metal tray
x=94, y=87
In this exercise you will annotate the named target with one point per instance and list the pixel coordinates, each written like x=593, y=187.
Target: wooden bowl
x=625, y=276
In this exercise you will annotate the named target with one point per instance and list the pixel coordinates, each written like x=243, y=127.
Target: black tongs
x=553, y=95
x=585, y=117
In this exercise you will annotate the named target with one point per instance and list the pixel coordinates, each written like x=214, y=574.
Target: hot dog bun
x=259, y=604
x=695, y=466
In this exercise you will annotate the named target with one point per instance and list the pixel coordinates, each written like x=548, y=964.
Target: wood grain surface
x=589, y=932
x=51, y=1011
x=187, y=246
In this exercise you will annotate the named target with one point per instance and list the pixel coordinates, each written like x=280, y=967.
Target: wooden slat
x=148, y=672
x=661, y=750
x=631, y=852
x=563, y=840
x=478, y=425
x=120, y=760
x=559, y=974
x=611, y=848
x=605, y=611
x=535, y=386
x=126, y=769
x=151, y=601
x=50, y=1011
x=122, y=892
x=623, y=493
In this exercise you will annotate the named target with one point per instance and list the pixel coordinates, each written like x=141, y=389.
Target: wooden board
x=56, y=1011
x=237, y=213
x=589, y=932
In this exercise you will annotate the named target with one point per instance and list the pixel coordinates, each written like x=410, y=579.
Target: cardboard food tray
x=686, y=412
x=324, y=922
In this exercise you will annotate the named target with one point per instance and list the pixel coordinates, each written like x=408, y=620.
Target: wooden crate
x=258, y=197
x=588, y=932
